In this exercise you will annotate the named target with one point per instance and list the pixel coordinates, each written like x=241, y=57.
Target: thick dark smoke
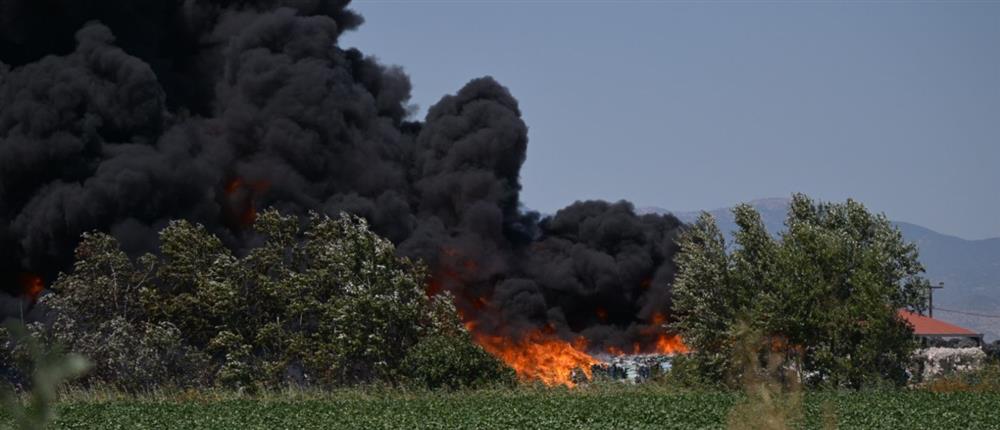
x=119, y=115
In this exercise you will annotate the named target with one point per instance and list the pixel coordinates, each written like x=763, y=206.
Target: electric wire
x=975, y=314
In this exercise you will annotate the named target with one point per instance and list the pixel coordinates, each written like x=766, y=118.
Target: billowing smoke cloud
x=119, y=115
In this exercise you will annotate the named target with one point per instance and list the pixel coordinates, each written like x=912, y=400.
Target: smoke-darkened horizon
x=119, y=116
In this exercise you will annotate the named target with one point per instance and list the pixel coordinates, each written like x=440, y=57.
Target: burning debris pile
x=542, y=357
x=120, y=116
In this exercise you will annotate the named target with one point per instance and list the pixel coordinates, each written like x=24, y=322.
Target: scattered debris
x=633, y=368
x=934, y=362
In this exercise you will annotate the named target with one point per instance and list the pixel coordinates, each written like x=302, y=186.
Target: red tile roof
x=929, y=326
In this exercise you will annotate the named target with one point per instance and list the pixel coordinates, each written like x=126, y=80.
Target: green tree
x=319, y=301
x=827, y=291
x=704, y=302
x=97, y=311
x=325, y=301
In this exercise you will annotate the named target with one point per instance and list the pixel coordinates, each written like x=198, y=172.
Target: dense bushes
x=320, y=302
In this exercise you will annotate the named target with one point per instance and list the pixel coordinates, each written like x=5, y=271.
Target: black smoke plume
x=119, y=115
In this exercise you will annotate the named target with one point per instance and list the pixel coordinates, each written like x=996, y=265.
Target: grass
x=608, y=407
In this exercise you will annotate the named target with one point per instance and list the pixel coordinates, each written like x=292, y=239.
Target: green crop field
x=631, y=408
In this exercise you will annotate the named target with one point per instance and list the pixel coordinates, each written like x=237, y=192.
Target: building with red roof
x=926, y=327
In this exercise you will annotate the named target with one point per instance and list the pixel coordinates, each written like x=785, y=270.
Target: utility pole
x=930, y=297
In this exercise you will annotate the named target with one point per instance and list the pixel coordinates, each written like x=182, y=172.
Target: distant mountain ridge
x=970, y=269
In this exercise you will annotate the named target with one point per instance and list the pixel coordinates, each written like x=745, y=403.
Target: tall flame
x=668, y=345
x=665, y=343
x=540, y=356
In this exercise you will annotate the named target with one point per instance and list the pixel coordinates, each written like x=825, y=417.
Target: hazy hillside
x=970, y=269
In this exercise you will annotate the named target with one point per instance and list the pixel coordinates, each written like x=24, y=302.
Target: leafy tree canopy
x=319, y=301
x=826, y=292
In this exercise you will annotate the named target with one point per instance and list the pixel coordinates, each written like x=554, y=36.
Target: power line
x=975, y=314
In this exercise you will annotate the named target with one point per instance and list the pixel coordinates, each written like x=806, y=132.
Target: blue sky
x=691, y=106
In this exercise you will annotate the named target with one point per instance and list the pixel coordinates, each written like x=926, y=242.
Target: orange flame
x=781, y=344
x=666, y=344
x=658, y=319
x=31, y=285
x=541, y=357
x=539, y=354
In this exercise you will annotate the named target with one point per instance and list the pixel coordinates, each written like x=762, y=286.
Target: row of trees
x=326, y=302
x=319, y=302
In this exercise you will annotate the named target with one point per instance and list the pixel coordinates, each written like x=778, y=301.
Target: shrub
x=454, y=362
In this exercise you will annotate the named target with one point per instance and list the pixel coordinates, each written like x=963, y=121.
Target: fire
x=781, y=344
x=249, y=215
x=540, y=356
x=233, y=185
x=241, y=194
x=31, y=285
x=236, y=184
x=666, y=344
x=658, y=319
x=433, y=287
